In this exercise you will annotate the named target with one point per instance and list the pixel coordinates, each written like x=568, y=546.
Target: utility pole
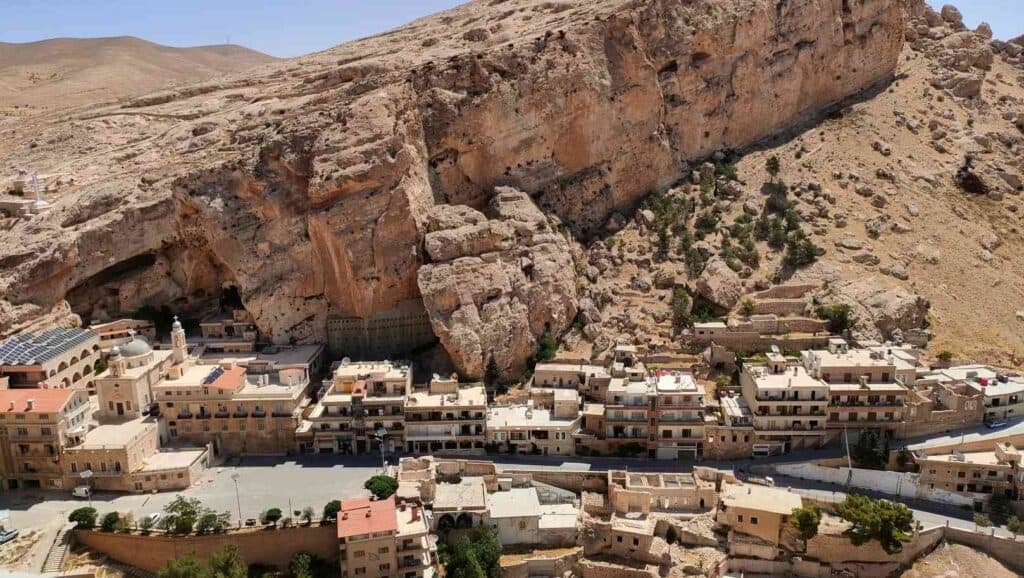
x=238, y=499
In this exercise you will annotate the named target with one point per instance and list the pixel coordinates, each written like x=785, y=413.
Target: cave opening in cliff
x=230, y=298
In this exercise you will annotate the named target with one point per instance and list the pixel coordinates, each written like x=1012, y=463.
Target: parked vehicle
x=81, y=492
x=761, y=481
x=154, y=518
x=995, y=423
x=7, y=535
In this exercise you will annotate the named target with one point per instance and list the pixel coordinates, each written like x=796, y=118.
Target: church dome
x=136, y=347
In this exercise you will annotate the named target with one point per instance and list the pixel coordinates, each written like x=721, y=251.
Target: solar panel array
x=34, y=349
x=212, y=377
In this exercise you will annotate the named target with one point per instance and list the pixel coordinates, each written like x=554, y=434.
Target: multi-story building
x=629, y=415
x=126, y=457
x=250, y=404
x=379, y=539
x=121, y=331
x=446, y=416
x=866, y=405
x=757, y=511
x=36, y=425
x=979, y=474
x=235, y=333
x=52, y=358
x=788, y=405
x=363, y=405
x=840, y=364
x=526, y=429
x=679, y=416
x=1003, y=393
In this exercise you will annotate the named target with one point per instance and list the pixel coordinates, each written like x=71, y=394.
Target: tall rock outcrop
x=308, y=183
x=492, y=287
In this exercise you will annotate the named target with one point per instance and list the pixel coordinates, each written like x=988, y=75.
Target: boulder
x=719, y=284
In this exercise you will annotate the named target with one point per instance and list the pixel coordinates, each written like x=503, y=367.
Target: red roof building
x=361, y=516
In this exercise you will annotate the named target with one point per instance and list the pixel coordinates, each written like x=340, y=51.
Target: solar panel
x=29, y=349
x=217, y=372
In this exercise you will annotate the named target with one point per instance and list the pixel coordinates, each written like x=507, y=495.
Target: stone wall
x=540, y=564
x=903, y=484
x=270, y=547
x=780, y=307
x=794, y=291
x=1009, y=552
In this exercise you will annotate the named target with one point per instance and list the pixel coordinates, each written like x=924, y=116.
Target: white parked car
x=81, y=492
x=154, y=518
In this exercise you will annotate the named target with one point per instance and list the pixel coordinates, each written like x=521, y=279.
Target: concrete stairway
x=59, y=549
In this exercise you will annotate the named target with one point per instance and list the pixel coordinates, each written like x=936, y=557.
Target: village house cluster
x=104, y=401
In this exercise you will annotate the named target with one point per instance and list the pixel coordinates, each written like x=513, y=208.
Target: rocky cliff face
x=326, y=185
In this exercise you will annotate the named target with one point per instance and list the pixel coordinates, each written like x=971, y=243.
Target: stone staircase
x=58, y=550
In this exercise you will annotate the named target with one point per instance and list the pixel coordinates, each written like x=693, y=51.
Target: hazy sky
x=289, y=27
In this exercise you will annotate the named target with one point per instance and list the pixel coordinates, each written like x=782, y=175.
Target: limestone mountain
x=64, y=72
x=390, y=173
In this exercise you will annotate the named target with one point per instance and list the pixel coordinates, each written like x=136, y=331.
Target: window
x=753, y=520
x=359, y=554
x=360, y=571
x=382, y=550
x=385, y=566
x=618, y=539
x=739, y=518
x=636, y=541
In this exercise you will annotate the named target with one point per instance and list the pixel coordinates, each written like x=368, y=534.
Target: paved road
x=263, y=483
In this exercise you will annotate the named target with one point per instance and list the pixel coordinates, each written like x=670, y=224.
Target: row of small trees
x=228, y=563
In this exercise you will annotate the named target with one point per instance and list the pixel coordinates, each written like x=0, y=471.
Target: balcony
x=668, y=419
x=635, y=419
x=221, y=414
x=240, y=413
x=858, y=403
x=184, y=414
x=259, y=413
x=411, y=562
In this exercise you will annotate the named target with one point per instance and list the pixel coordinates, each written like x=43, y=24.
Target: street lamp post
x=238, y=499
x=381, y=436
x=87, y=476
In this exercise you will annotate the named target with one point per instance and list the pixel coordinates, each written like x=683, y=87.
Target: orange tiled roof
x=46, y=400
x=362, y=516
x=230, y=380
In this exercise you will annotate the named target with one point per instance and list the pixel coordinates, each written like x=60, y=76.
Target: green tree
x=805, y=521
x=694, y=261
x=722, y=383
x=680, y=309
x=772, y=167
x=904, y=458
x=870, y=451
x=308, y=565
x=271, y=516
x=181, y=515
x=185, y=567
x=945, y=356
x=547, y=347
x=85, y=517
x=381, y=486
x=212, y=522
x=839, y=317
x=800, y=251
x=475, y=556
x=1000, y=506
x=981, y=520
x=110, y=521
x=146, y=524
x=307, y=515
x=886, y=522
x=746, y=307
x=331, y=510
x=492, y=372
x=1015, y=526
x=227, y=563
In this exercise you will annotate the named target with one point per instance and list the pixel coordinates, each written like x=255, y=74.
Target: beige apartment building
x=446, y=417
x=121, y=331
x=36, y=426
x=532, y=428
x=980, y=474
x=53, y=358
x=679, y=416
x=235, y=333
x=363, y=404
x=866, y=405
x=788, y=405
x=126, y=457
x=379, y=539
x=758, y=511
x=629, y=415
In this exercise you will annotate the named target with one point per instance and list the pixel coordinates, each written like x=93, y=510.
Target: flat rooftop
x=373, y=370
x=469, y=494
x=471, y=396
x=623, y=386
x=277, y=354
x=977, y=434
x=890, y=387
x=521, y=416
x=172, y=459
x=675, y=382
x=735, y=406
x=159, y=356
x=514, y=503
x=978, y=458
x=119, y=435
x=852, y=358
x=795, y=377
x=558, y=516
x=761, y=498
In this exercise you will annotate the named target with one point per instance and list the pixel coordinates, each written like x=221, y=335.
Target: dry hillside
x=484, y=166
x=65, y=72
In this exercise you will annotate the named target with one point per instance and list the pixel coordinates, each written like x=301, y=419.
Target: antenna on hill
x=228, y=39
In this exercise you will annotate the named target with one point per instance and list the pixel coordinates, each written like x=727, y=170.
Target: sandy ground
x=956, y=561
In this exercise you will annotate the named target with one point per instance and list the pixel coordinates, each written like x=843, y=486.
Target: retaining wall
x=904, y=484
x=270, y=547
